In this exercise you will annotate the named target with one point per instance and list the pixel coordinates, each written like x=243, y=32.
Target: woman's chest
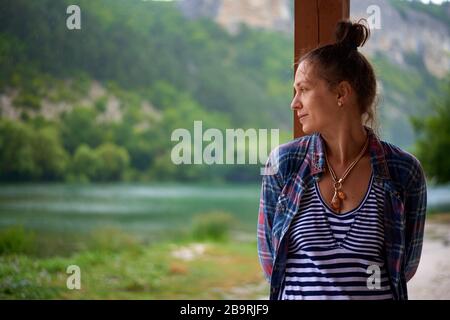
x=351, y=191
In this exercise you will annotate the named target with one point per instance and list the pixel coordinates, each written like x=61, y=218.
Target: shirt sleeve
x=415, y=210
x=270, y=191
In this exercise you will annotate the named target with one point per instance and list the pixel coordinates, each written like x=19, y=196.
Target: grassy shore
x=118, y=265
x=208, y=263
x=206, y=270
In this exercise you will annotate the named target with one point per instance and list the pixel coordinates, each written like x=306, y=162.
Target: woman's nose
x=295, y=104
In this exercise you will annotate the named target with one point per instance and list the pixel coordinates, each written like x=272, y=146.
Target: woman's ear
x=343, y=91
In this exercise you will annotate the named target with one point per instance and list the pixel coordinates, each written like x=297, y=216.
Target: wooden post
x=314, y=25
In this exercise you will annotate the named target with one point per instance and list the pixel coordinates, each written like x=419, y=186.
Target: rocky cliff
x=405, y=30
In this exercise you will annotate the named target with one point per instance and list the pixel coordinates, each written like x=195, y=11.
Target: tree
x=113, y=162
x=28, y=153
x=79, y=126
x=48, y=154
x=16, y=151
x=434, y=138
x=85, y=163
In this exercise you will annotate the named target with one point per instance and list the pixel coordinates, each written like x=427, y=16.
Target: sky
x=433, y=1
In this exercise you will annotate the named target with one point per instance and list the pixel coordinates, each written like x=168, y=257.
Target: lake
x=145, y=209
x=142, y=208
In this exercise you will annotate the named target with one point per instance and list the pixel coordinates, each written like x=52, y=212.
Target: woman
x=341, y=212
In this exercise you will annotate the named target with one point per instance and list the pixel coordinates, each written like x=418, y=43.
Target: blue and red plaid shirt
x=293, y=167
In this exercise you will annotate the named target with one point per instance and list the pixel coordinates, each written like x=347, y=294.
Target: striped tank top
x=337, y=256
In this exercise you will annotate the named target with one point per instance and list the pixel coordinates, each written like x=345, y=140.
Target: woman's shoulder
x=297, y=146
x=292, y=150
x=289, y=156
x=403, y=166
x=394, y=153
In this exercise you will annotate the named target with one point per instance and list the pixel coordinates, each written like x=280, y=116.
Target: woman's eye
x=300, y=89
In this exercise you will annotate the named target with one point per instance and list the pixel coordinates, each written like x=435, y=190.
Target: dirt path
x=432, y=279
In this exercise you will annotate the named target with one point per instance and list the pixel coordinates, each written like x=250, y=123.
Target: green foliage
x=187, y=69
x=16, y=151
x=214, y=226
x=79, y=127
x=192, y=56
x=398, y=82
x=109, y=239
x=11, y=52
x=15, y=240
x=49, y=156
x=27, y=100
x=404, y=92
x=438, y=12
x=100, y=104
x=146, y=272
x=113, y=161
x=30, y=153
x=434, y=138
x=85, y=163
x=107, y=162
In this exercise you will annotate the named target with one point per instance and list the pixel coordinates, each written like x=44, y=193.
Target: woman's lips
x=301, y=116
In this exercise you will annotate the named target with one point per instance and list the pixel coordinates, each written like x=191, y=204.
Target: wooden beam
x=314, y=25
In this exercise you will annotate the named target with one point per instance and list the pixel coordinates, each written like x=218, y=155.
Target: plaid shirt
x=293, y=167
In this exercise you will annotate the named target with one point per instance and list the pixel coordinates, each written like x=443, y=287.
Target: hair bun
x=351, y=35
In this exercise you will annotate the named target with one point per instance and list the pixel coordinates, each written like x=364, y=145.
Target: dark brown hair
x=342, y=61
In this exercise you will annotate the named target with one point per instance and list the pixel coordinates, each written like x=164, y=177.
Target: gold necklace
x=339, y=195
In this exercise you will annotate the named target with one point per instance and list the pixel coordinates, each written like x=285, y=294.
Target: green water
x=150, y=210
x=139, y=208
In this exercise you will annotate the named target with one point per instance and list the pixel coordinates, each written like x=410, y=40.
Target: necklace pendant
x=341, y=195
x=336, y=202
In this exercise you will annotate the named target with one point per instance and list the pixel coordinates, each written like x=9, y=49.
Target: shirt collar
x=377, y=158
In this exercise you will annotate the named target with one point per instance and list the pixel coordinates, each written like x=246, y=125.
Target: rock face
x=406, y=33
x=267, y=14
x=402, y=34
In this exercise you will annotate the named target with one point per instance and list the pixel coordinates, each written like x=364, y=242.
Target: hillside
x=90, y=88
x=114, y=91
x=411, y=51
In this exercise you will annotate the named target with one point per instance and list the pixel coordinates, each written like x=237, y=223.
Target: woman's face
x=315, y=104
